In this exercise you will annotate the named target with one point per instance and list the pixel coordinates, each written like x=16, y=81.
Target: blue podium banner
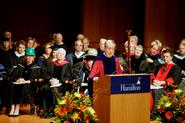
x=130, y=84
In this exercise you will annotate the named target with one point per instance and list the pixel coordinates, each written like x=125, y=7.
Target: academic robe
x=104, y=65
x=23, y=93
x=62, y=72
x=77, y=64
x=171, y=74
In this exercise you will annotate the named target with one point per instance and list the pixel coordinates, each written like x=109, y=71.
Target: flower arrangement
x=171, y=107
x=75, y=108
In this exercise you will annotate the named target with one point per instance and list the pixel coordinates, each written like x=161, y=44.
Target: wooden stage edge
x=30, y=119
x=24, y=117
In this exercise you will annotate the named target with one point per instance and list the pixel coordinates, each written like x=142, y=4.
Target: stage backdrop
x=111, y=18
x=149, y=19
x=40, y=18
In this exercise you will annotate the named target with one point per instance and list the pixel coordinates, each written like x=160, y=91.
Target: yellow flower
x=178, y=91
x=62, y=102
x=75, y=116
x=167, y=104
x=91, y=110
x=77, y=95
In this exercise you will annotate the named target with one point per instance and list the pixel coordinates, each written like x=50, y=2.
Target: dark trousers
x=48, y=96
x=157, y=93
x=4, y=94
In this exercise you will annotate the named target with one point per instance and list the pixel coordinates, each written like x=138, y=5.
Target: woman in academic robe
x=167, y=77
x=23, y=82
x=59, y=69
x=58, y=76
x=138, y=61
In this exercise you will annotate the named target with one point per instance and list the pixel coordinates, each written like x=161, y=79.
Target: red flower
x=80, y=114
x=170, y=94
x=72, y=106
x=161, y=110
x=168, y=115
x=175, y=103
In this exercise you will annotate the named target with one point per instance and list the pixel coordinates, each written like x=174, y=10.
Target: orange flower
x=62, y=111
x=82, y=95
x=168, y=115
x=82, y=108
x=182, y=102
x=59, y=112
x=170, y=94
x=72, y=106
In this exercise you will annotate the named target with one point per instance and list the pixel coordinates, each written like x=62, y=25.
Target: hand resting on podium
x=96, y=79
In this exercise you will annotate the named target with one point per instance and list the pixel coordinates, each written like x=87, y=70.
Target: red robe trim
x=59, y=64
x=98, y=69
x=163, y=72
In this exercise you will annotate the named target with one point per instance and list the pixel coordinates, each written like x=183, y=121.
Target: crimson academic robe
x=171, y=74
x=99, y=66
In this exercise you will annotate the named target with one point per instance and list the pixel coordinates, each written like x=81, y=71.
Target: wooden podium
x=122, y=98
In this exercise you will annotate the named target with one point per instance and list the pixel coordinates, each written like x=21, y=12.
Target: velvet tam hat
x=30, y=52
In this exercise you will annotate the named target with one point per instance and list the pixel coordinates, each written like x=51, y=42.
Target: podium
x=122, y=98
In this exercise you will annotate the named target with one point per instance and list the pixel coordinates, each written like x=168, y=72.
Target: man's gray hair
x=110, y=42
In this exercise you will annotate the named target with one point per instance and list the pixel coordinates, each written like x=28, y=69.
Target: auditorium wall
x=111, y=18
x=149, y=19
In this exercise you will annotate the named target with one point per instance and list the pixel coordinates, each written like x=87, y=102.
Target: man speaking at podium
x=106, y=63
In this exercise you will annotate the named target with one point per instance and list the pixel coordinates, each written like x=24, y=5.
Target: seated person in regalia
x=166, y=78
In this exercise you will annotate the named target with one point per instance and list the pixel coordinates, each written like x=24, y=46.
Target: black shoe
x=50, y=115
x=1, y=110
x=41, y=112
x=152, y=116
x=7, y=111
x=44, y=115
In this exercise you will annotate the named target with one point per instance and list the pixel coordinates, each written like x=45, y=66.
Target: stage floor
x=23, y=119
x=29, y=119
